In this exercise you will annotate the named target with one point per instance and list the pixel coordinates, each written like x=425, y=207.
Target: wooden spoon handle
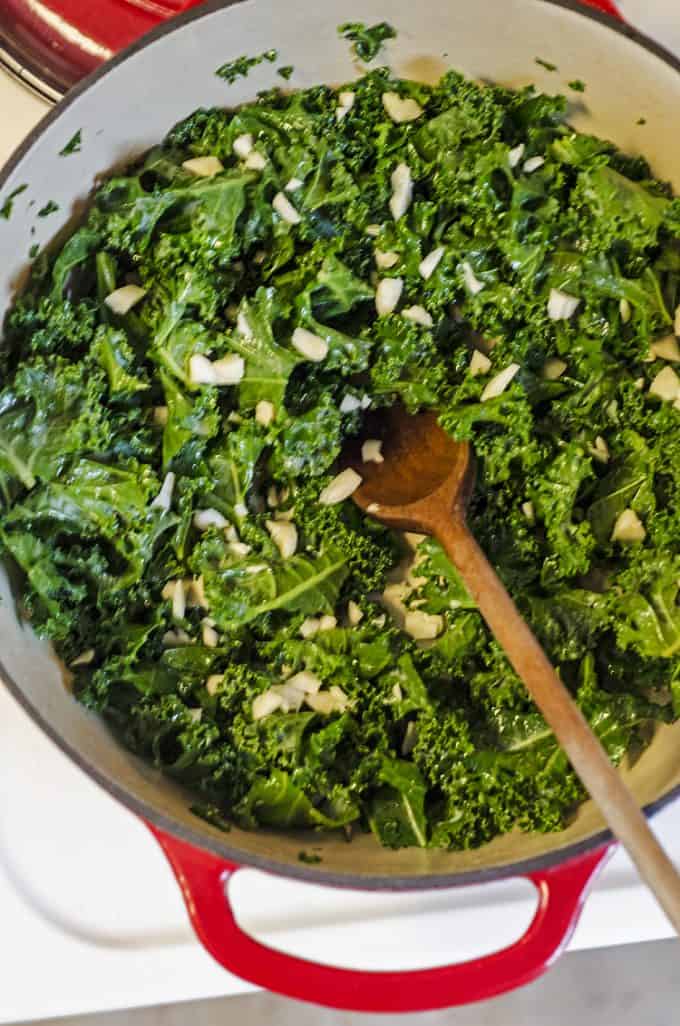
x=586, y=754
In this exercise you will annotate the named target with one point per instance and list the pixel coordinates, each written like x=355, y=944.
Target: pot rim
x=210, y=842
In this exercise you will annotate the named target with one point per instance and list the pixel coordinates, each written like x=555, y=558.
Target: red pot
x=123, y=108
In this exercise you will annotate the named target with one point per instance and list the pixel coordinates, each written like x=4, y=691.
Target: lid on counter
x=50, y=44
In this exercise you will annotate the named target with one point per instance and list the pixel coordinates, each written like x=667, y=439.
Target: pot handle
x=203, y=878
x=607, y=6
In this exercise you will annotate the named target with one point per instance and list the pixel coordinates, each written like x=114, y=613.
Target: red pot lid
x=50, y=44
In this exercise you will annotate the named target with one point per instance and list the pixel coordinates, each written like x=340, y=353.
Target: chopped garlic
x=212, y=685
x=666, y=385
x=349, y=404
x=256, y=161
x=265, y=412
x=346, y=99
x=175, y=639
x=410, y=738
x=240, y=549
x=561, y=305
x=304, y=681
x=272, y=496
x=179, y=601
x=340, y=488
x=164, y=498
x=419, y=315
x=121, y=300
x=309, y=627
x=373, y=230
x=639, y=383
x=528, y=511
x=242, y=325
x=196, y=592
x=285, y=209
x=201, y=371
x=229, y=369
x=499, y=382
x=628, y=527
x=472, y=282
x=210, y=636
x=600, y=450
x=373, y=507
x=293, y=185
x=401, y=109
x=323, y=703
x=553, y=368
x=387, y=295
x=371, y=451
x=402, y=191
x=423, y=626
x=365, y=402
x=327, y=622
x=241, y=510
x=205, y=518
x=428, y=264
x=515, y=155
x=85, y=658
x=666, y=349
x=533, y=164
x=243, y=145
x=203, y=167
x=309, y=345
x=266, y=703
x=354, y=614
x=384, y=260
x=624, y=310
x=284, y=535
x=479, y=363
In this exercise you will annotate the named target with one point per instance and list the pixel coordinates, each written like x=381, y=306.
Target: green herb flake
x=73, y=145
x=309, y=858
x=242, y=66
x=548, y=65
x=211, y=814
x=577, y=85
x=6, y=208
x=286, y=71
x=49, y=208
x=34, y=250
x=367, y=41
x=641, y=121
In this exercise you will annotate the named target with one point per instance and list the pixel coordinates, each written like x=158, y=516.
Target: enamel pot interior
x=130, y=105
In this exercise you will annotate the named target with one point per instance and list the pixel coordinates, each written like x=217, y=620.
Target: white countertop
x=92, y=918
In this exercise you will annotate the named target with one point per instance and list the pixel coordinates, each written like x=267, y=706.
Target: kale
x=366, y=40
x=49, y=208
x=74, y=144
x=285, y=71
x=242, y=66
x=173, y=525
x=8, y=202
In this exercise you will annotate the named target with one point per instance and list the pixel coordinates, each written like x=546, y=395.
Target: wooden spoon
x=423, y=485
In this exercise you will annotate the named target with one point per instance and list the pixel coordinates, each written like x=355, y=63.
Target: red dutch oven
x=121, y=109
